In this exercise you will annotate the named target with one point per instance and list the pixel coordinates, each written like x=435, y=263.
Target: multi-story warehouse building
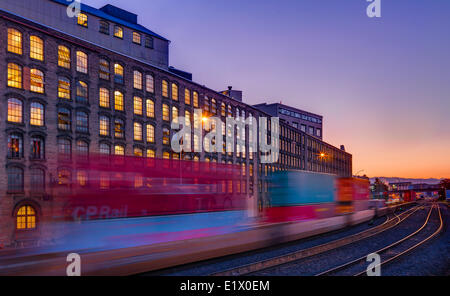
x=100, y=83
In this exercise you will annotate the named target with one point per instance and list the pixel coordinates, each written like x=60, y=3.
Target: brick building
x=67, y=91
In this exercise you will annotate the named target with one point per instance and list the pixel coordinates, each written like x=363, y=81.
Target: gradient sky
x=382, y=85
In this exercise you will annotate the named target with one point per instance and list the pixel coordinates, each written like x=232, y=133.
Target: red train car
x=353, y=195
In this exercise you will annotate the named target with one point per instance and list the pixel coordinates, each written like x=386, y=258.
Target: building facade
x=64, y=95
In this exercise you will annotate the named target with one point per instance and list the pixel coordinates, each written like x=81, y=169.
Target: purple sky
x=382, y=85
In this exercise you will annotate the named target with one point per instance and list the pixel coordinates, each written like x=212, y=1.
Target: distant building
x=234, y=94
x=399, y=186
x=307, y=122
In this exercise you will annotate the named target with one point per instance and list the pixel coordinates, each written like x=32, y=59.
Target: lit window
x=118, y=73
x=64, y=88
x=36, y=81
x=104, y=126
x=36, y=48
x=37, y=114
x=14, y=41
x=187, y=97
x=82, y=62
x=26, y=218
x=187, y=118
x=104, y=69
x=213, y=106
x=165, y=111
x=151, y=153
x=119, y=128
x=64, y=121
x=118, y=32
x=82, y=20
x=137, y=101
x=166, y=155
x=148, y=42
x=104, y=98
x=104, y=27
x=150, y=133
x=150, y=109
x=137, y=131
x=195, y=97
x=174, y=92
x=138, y=152
x=15, y=110
x=81, y=178
x=175, y=114
x=166, y=136
x=82, y=122
x=104, y=180
x=14, y=75
x=223, y=110
x=82, y=92
x=37, y=148
x=64, y=177
x=15, y=146
x=63, y=57
x=150, y=83
x=137, y=80
x=136, y=38
x=165, y=89
x=119, y=150
x=118, y=100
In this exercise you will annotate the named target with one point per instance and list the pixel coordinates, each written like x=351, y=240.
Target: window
x=64, y=148
x=37, y=148
x=119, y=129
x=63, y=88
x=26, y=218
x=82, y=92
x=223, y=110
x=213, y=106
x=138, y=152
x=15, y=146
x=14, y=75
x=36, y=81
x=104, y=125
x=318, y=132
x=104, y=27
x=81, y=178
x=37, y=180
x=136, y=38
x=187, y=118
x=165, y=111
x=64, y=177
x=82, y=62
x=150, y=109
x=63, y=57
x=151, y=153
x=195, y=99
x=64, y=121
x=118, y=100
x=15, y=110
x=137, y=101
x=174, y=92
x=175, y=114
x=148, y=42
x=118, y=73
x=104, y=69
x=82, y=122
x=14, y=41
x=303, y=128
x=166, y=136
x=118, y=32
x=311, y=130
x=119, y=150
x=82, y=148
x=36, y=48
x=165, y=89
x=187, y=97
x=37, y=114
x=82, y=20
x=137, y=128
x=150, y=133
x=137, y=77
x=206, y=105
x=150, y=83
x=104, y=98
x=105, y=149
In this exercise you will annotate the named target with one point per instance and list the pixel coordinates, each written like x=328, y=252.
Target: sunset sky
x=382, y=85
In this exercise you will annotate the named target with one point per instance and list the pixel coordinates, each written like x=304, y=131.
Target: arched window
x=150, y=109
x=82, y=122
x=105, y=149
x=104, y=69
x=175, y=114
x=206, y=105
x=136, y=38
x=165, y=112
x=187, y=96
x=64, y=119
x=137, y=129
x=37, y=147
x=195, y=99
x=174, y=92
x=64, y=177
x=14, y=75
x=150, y=83
x=26, y=218
x=36, y=48
x=119, y=150
x=82, y=20
x=14, y=41
x=63, y=57
x=148, y=42
x=118, y=32
x=37, y=114
x=82, y=92
x=15, y=110
x=104, y=27
x=119, y=128
x=118, y=73
x=15, y=179
x=37, y=180
x=36, y=81
x=150, y=133
x=118, y=100
x=82, y=62
x=104, y=125
x=64, y=148
x=104, y=97
x=165, y=89
x=63, y=88
x=15, y=145
x=137, y=102
x=82, y=148
x=187, y=118
x=166, y=136
x=137, y=78
x=223, y=110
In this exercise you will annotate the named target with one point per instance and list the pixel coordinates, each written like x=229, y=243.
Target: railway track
x=391, y=252
x=309, y=252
